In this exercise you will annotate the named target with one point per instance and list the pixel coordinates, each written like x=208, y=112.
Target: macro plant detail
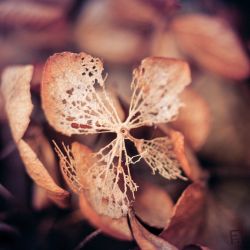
x=75, y=101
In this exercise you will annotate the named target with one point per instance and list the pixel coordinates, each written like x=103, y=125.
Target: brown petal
x=16, y=92
x=41, y=176
x=153, y=205
x=117, y=228
x=187, y=218
x=212, y=43
x=145, y=239
x=194, y=119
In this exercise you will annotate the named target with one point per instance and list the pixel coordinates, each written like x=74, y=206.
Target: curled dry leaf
x=186, y=221
x=69, y=85
x=40, y=175
x=194, y=119
x=145, y=239
x=212, y=43
x=41, y=147
x=16, y=91
x=153, y=205
x=98, y=33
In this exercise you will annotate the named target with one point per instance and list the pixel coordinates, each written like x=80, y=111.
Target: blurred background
x=212, y=35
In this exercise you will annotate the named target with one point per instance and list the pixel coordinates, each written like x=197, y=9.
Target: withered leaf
x=16, y=93
x=212, y=43
x=18, y=106
x=40, y=175
x=145, y=239
x=188, y=216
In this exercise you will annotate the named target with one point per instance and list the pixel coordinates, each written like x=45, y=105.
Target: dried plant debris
x=69, y=85
x=16, y=92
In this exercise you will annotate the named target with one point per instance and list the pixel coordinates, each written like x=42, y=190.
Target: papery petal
x=156, y=86
x=16, y=92
x=69, y=97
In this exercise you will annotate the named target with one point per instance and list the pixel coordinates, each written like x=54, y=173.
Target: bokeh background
x=213, y=36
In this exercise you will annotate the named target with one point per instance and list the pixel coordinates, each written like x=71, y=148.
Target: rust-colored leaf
x=145, y=239
x=188, y=216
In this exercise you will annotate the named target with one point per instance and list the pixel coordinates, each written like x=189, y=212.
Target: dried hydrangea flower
x=72, y=86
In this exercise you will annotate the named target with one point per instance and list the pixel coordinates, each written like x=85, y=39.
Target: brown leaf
x=117, y=228
x=194, y=119
x=187, y=218
x=212, y=43
x=41, y=176
x=16, y=92
x=153, y=205
x=145, y=239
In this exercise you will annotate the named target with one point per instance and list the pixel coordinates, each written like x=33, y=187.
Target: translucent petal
x=160, y=154
x=156, y=86
x=69, y=97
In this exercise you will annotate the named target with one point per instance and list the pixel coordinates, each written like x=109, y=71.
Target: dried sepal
x=145, y=239
x=200, y=36
x=40, y=175
x=160, y=155
x=156, y=85
x=70, y=100
x=16, y=93
x=117, y=228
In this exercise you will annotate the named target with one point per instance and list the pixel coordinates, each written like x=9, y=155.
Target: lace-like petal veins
x=156, y=85
x=100, y=176
x=41, y=176
x=16, y=92
x=161, y=157
x=69, y=97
